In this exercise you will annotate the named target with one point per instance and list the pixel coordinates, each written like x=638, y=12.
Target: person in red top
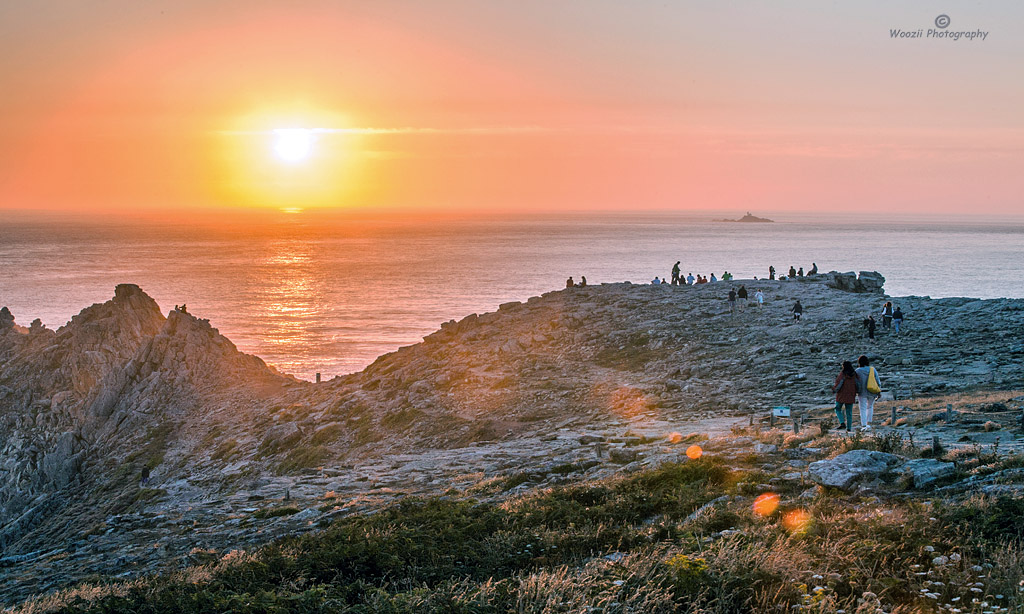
x=846, y=393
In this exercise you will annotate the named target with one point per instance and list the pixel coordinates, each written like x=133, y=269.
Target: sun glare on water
x=293, y=145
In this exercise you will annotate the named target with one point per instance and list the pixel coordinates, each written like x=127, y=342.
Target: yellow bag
x=872, y=385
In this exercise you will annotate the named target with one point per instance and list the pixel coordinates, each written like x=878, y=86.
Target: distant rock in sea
x=748, y=218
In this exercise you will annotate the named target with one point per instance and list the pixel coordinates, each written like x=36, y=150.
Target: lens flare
x=694, y=452
x=796, y=521
x=766, y=504
x=675, y=437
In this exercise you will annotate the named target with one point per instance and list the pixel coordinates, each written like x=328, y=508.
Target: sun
x=293, y=145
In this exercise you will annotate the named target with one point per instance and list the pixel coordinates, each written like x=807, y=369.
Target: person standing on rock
x=869, y=388
x=675, y=273
x=742, y=295
x=771, y=272
x=887, y=314
x=870, y=324
x=798, y=310
x=759, y=297
x=845, y=388
x=732, y=301
x=897, y=320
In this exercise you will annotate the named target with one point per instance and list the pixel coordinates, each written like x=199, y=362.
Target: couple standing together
x=861, y=384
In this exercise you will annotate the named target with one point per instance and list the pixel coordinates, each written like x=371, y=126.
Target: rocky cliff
x=119, y=389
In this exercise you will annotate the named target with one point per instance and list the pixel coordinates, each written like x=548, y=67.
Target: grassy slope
x=619, y=546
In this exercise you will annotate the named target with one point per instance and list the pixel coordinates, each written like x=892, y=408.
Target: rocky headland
x=575, y=385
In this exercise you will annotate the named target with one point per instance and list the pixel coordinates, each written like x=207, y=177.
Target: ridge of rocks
x=120, y=387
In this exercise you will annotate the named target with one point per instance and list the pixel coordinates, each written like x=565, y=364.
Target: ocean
x=315, y=295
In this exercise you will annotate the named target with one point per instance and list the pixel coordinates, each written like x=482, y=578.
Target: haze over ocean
x=330, y=298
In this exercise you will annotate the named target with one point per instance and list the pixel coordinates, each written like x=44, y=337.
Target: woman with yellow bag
x=869, y=388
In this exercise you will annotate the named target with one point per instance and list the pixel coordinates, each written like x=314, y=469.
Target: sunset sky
x=510, y=106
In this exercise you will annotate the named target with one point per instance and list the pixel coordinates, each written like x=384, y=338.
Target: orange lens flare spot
x=766, y=504
x=675, y=437
x=694, y=452
x=796, y=521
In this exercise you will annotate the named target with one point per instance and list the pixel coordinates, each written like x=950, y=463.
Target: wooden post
x=771, y=419
x=318, y=378
x=796, y=424
x=892, y=421
x=936, y=445
x=949, y=412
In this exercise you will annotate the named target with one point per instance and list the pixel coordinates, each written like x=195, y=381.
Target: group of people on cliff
x=860, y=384
x=793, y=272
x=677, y=278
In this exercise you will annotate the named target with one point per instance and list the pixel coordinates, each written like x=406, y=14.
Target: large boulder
x=924, y=471
x=867, y=282
x=282, y=435
x=846, y=470
x=870, y=281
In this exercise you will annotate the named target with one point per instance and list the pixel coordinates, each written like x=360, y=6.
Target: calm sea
x=330, y=296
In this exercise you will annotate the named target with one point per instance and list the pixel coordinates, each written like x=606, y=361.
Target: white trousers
x=867, y=407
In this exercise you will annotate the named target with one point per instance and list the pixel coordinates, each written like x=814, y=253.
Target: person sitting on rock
x=814, y=269
x=713, y=278
x=583, y=281
x=569, y=283
x=798, y=310
x=689, y=279
x=792, y=272
x=800, y=273
x=656, y=281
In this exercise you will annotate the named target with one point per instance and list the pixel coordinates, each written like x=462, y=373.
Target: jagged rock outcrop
x=869, y=281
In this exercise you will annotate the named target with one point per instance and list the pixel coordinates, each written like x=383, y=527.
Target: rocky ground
x=577, y=384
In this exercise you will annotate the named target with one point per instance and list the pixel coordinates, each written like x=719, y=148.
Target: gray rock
x=845, y=470
x=281, y=435
x=622, y=455
x=924, y=471
x=765, y=448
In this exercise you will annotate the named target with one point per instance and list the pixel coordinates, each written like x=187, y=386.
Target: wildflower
x=954, y=557
x=929, y=549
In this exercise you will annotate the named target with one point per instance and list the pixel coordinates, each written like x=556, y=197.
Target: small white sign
x=780, y=412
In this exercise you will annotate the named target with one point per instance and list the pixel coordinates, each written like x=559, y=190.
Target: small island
x=748, y=218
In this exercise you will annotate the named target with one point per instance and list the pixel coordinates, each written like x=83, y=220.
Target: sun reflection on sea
x=290, y=289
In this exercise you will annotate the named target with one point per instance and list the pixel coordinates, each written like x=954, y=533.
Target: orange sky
x=521, y=106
